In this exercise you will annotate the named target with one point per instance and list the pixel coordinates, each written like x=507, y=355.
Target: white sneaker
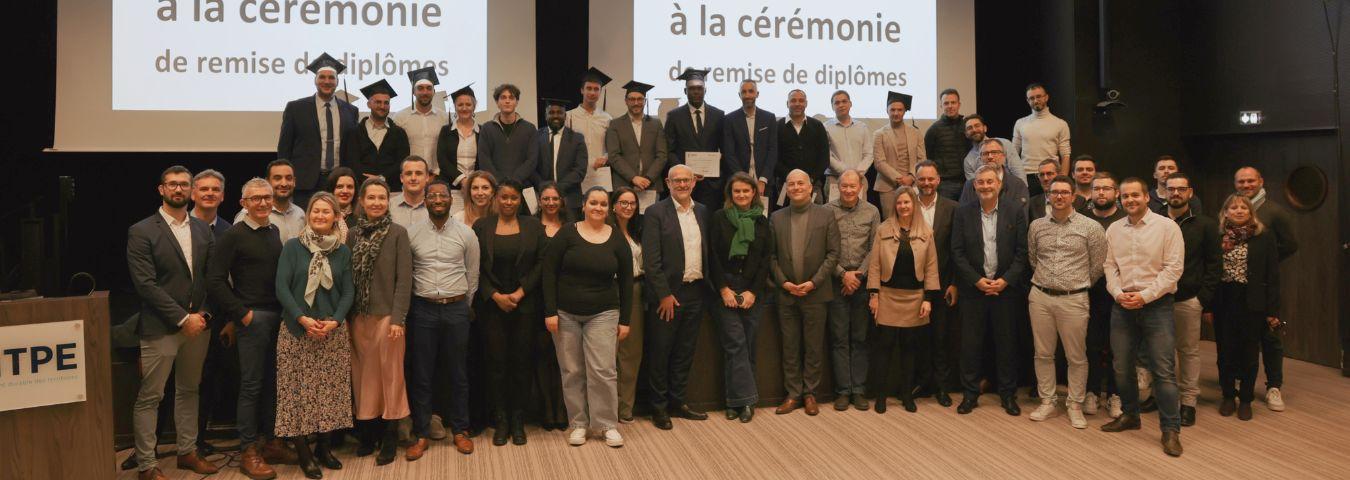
x=1113, y=407
x=1045, y=411
x=613, y=439
x=577, y=437
x=1274, y=400
x=1076, y=418
x=1090, y=404
x=436, y=430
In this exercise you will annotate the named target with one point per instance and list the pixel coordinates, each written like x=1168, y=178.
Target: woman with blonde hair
x=1247, y=302
x=902, y=281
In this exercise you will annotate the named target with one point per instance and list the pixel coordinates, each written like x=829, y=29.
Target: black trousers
x=1238, y=332
x=508, y=356
x=1098, y=340
x=668, y=348
x=886, y=341
x=939, y=340
x=992, y=316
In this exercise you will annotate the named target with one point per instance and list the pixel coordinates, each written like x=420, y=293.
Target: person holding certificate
x=694, y=138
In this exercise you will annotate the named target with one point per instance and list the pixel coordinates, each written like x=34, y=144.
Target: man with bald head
x=675, y=265
x=849, y=317
x=1277, y=218
x=806, y=238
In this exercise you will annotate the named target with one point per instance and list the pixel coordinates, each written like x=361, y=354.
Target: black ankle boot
x=368, y=431
x=388, y=443
x=501, y=431
x=307, y=463
x=517, y=429
x=323, y=452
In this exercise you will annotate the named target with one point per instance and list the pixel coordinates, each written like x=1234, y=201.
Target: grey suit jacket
x=820, y=255
x=628, y=159
x=160, y=275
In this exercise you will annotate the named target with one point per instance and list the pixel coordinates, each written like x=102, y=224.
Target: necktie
x=553, y=153
x=328, y=144
x=698, y=121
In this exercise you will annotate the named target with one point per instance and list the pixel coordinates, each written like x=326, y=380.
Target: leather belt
x=1060, y=293
x=443, y=300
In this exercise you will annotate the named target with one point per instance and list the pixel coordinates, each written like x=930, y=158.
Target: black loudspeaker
x=32, y=255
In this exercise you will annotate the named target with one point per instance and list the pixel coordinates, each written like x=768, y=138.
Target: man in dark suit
x=675, y=263
x=1278, y=219
x=803, y=144
x=750, y=140
x=167, y=254
x=636, y=143
x=562, y=155
x=807, y=239
x=313, y=129
x=695, y=127
x=379, y=146
x=935, y=366
x=997, y=228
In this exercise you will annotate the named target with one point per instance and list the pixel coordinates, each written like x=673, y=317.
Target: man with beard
x=380, y=144
x=636, y=143
x=506, y=146
x=976, y=131
x=992, y=152
x=802, y=144
x=1164, y=166
x=1083, y=170
x=896, y=148
x=313, y=130
x=947, y=143
x=1249, y=183
x=424, y=118
x=695, y=127
x=562, y=155
x=750, y=141
x=989, y=247
x=1144, y=260
x=286, y=215
x=1104, y=210
x=445, y=275
x=1040, y=136
x=935, y=365
x=167, y=257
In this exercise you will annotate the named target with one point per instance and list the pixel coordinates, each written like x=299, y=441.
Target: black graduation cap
x=548, y=102
x=595, y=75
x=692, y=74
x=892, y=97
x=467, y=90
x=326, y=61
x=428, y=74
x=636, y=86
x=379, y=87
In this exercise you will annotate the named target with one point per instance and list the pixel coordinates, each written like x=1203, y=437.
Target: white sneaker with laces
x=1076, y=418
x=613, y=439
x=577, y=437
x=1274, y=400
x=1045, y=411
x=1090, y=404
x=1113, y=407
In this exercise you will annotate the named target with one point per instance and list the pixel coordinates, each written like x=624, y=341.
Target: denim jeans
x=1149, y=331
x=437, y=331
x=257, y=409
x=738, y=328
x=850, y=321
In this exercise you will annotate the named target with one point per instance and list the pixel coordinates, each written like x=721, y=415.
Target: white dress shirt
x=850, y=146
x=1145, y=256
x=591, y=126
x=323, y=130
x=423, y=131
x=182, y=232
x=692, y=238
x=637, y=128
x=377, y=131
x=929, y=211
x=989, y=234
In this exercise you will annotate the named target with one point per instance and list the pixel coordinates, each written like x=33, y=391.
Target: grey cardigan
x=391, y=282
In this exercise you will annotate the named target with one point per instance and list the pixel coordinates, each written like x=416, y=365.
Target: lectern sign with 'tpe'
x=41, y=364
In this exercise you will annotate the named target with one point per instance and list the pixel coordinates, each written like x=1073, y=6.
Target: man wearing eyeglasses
x=1103, y=209
x=995, y=151
x=288, y=217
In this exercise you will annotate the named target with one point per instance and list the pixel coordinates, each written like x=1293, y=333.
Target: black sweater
x=739, y=274
x=947, y=145
x=1204, y=259
x=242, y=275
x=583, y=278
x=808, y=150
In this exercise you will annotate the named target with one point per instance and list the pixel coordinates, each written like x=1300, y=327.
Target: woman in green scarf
x=741, y=246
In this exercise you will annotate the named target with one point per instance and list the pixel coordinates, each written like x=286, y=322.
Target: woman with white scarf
x=314, y=286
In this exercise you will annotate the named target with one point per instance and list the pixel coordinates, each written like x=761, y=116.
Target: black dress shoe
x=881, y=404
x=1187, y=416
x=1010, y=406
x=501, y=433
x=518, y=429
x=943, y=399
x=1122, y=423
x=910, y=406
x=747, y=413
x=967, y=405
x=688, y=414
x=1149, y=404
x=733, y=413
x=662, y=420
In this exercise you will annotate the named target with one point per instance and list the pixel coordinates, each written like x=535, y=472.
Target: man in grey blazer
x=807, y=239
x=636, y=143
x=167, y=254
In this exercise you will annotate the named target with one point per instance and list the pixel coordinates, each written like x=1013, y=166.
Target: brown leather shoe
x=417, y=449
x=192, y=462
x=462, y=443
x=277, y=452
x=1171, y=443
x=151, y=474
x=811, y=407
x=1227, y=407
x=1244, y=411
x=786, y=407
x=252, y=465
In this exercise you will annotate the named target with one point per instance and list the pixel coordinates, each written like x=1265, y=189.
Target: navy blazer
x=736, y=144
x=300, y=141
x=571, y=163
x=663, y=249
x=160, y=275
x=968, y=245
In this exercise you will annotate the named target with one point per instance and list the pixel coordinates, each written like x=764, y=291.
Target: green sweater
x=292, y=276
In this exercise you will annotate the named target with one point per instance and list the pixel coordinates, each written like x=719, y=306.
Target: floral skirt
x=314, y=386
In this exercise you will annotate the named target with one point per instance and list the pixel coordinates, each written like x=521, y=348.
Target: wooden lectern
x=72, y=440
